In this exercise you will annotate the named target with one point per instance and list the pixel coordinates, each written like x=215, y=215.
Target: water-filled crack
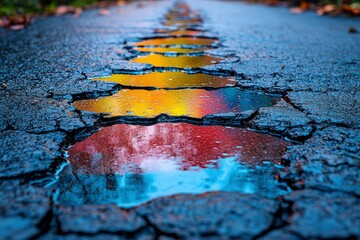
x=148, y=146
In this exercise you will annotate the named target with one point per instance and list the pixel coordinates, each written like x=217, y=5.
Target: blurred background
x=19, y=7
x=17, y=14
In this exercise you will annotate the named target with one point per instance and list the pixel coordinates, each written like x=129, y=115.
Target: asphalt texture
x=311, y=62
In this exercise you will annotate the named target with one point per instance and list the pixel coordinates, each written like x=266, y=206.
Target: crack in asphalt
x=279, y=218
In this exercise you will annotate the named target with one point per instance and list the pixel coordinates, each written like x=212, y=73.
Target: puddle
x=173, y=50
x=186, y=102
x=129, y=165
x=170, y=41
x=180, y=32
x=158, y=60
x=186, y=22
x=187, y=14
x=171, y=80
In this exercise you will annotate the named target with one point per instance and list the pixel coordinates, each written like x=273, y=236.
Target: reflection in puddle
x=171, y=80
x=170, y=50
x=129, y=165
x=187, y=14
x=186, y=102
x=180, y=32
x=182, y=22
x=176, y=41
x=158, y=60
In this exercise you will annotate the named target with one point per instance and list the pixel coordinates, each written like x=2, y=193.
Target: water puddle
x=170, y=80
x=158, y=60
x=186, y=14
x=194, y=103
x=180, y=32
x=171, y=41
x=173, y=50
x=187, y=22
x=129, y=165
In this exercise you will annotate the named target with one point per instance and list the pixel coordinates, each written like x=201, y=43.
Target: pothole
x=158, y=60
x=173, y=50
x=194, y=103
x=171, y=80
x=171, y=41
x=182, y=22
x=129, y=164
x=180, y=32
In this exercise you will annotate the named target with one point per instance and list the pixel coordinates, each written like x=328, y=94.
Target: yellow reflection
x=170, y=50
x=176, y=41
x=158, y=60
x=171, y=80
x=144, y=103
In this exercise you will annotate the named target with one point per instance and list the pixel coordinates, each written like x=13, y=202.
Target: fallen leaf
x=104, y=12
x=304, y=5
x=352, y=9
x=4, y=22
x=272, y=2
x=121, y=3
x=296, y=10
x=326, y=9
x=15, y=22
x=62, y=10
x=17, y=27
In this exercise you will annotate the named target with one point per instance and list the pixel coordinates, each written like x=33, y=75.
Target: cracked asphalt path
x=312, y=62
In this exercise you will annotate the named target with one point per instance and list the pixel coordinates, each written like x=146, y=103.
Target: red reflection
x=128, y=148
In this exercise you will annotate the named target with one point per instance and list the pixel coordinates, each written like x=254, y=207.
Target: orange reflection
x=170, y=50
x=176, y=41
x=182, y=22
x=129, y=148
x=171, y=80
x=180, y=32
x=158, y=60
x=187, y=102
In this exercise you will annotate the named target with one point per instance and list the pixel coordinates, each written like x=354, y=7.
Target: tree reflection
x=129, y=165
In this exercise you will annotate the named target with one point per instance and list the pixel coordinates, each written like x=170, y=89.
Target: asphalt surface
x=311, y=62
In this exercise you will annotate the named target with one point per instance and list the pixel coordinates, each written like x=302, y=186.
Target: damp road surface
x=180, y=120
x=129, y=165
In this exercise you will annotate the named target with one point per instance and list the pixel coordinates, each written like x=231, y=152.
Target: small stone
x=352, y=30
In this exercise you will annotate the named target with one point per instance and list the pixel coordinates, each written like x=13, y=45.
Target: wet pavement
x=86, y=152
